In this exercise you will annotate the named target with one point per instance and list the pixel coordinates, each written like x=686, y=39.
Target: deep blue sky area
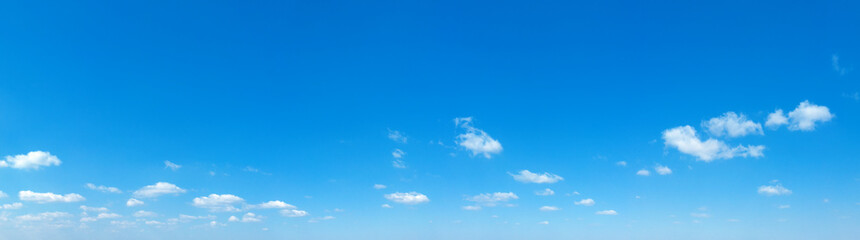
x=429, y=120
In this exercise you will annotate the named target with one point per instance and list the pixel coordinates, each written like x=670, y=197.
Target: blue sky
x=429, y=120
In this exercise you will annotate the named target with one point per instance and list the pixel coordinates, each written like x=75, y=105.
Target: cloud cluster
x=732, y=125
x=802, y=118
x=492, y=199
x=407, y=197
x=476, y=140
x=218, y=203
x=31, y=161
x=684, y=139
x=527, y=176
x=30, y=196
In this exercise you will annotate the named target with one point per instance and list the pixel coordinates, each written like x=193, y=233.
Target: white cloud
x=606, y=212
x=218, y=203
x=293, y=213
x=3, y=195
x=802, y=118
x=313, y=220
x=529, y=177
x=621, y=163
x=133, y=202
x=407, y=198
x=103, y=188
x=145, y=214
x=491, y=199
x=187, y=218
x=172, y=166
x=378, y=186
x=585, y=202
x=700, y=215
x=685, y=140
x=31, y=196
x=396, y=136
x=397, y=153
x=773, y=190
x=732, y=125
x=93, y=209
x=543, y=222
x=248, y=217
x=45, y=216
x=662, y=170
x=476, y=140
x=386, y=206
x=33, y=160
x=158, y=189
x=108, y=215
x=275, y=204
x=472, y=208
x=776, y=119
x=643, y=172
x=398, y=161
x=545, y=192
x=549, y=208
x=12, y=206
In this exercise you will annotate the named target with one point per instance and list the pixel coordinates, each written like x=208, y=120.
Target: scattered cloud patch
x=172, y=166
x=545, y=192
x=732, y=125
x=606, y=212
x=293, y=213
x=529, y=177
x=396, y=136
x=543, y=222
x=218, y=203
x=133, y=202
x=103, y=188
x=30, y=196
x=802, y=118
x=275, y=204
x=662, y=170
x=410, y=198
x=476, y=140
x=621, y=163
x=378, y=186
x=45, y=216
x=11, y=206
x=145, y=214
x=841, y=70
x=685, y=140
x=492, y=199
x=386, y=206
x=773, y=190
x=248, y=217
x=643, y=172
x=549, y=208
x=93, y=209
x=585, y=202
x=472, y=208
x=31, y=161
x=158, y=189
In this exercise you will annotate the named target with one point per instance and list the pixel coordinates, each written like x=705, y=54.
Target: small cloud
x=585, y=202
x=476, y=140
x=103, y=188
x=773, y=190
x=396, y=136
x=621, y=163
x=529, y=177
x=158, y=189
x=218, y=203
x=144, y=214
x=410, y=198
x=172, y=166
x=606, y=212
x=386, y=206
x=31, y=161
x=30, y=196
x=293, y=213
x=544, y=222
x=643, y=172
x=841, y=70
x=732, y=125
x=700, y=215
x=786, y=206
x=545, y=192
x=379, y=186
x=133, y=202
x=549, y=208
x=472, y=208
x=684, y=139
x=492, y=199
x=662, y=170
x=802, y=118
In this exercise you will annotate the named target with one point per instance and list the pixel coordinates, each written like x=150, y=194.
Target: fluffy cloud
x=33, y=160
x=158, y=189
x=773, y=190
x=643, y=172
x=396, y=136
x=732, y=125
x=585, y=202
x=529, y=177
x=172, y=166
x=802, y=118
x=145, y=214
x=293, y=213
x=248, y=217
x=476, y=140
x=31, y=196
x=218, y=203
x=275, y=204
x=545, y=192
x=407, y=198
x=12, y=206
x=103, y=188
x=491, y=199
x=662, y=170
x=549, y=208
x=685, y=140
x=606, y=212
x=133, y=202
